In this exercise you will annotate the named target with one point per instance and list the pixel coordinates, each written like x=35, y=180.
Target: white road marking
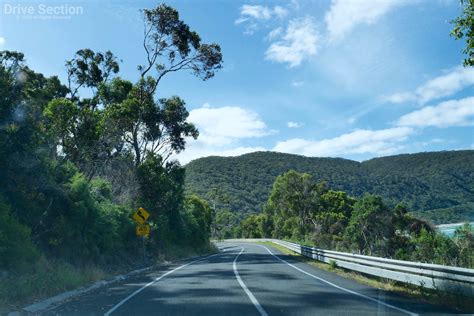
x=340, y=287
x=110, y=311
x=247, y=291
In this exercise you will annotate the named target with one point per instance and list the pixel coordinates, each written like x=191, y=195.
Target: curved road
x=243, y=279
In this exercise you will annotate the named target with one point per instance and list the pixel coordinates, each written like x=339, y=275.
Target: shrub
x=16, y=249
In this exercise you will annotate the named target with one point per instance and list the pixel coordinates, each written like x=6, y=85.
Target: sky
x=326, y=78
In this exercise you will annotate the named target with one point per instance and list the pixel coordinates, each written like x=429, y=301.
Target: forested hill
x=436, y=185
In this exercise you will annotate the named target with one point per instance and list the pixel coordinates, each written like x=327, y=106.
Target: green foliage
x=16, y=249
x=162, y=193
x=171, y=46
x=146, y=127
x=464, y=238
x=435, y=186
x=90, y=69
x=255, y=226
x=464, y=29
x=434, y=247
x=370, y=225
x=293, y=195
x=225, y=224
x=45, y=279
x=74, y=168
x=198, y=219
x=334, y=220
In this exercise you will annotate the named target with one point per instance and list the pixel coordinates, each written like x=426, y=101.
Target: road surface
x=242, y=279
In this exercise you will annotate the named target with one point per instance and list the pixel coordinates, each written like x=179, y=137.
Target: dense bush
x=75, y=165
x=303, y=210
x=17, y=251
x=436, y=186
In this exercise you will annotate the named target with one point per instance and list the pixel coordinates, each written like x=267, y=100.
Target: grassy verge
x=51, y=277
x=462, y=304
x=45, y=279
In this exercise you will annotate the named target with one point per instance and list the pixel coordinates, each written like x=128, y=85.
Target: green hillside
x=438, y=186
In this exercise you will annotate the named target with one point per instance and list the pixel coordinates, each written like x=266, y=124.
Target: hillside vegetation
x=79, y=157
x=306, y=211
x=438, y=186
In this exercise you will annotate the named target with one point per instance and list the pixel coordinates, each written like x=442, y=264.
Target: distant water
x=449, y=229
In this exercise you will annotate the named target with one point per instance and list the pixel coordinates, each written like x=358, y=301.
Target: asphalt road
x=242, y=279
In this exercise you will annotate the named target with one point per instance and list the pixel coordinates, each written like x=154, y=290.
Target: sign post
x=140, y=217
x=144, y=252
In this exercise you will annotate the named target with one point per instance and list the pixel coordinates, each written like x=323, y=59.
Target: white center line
x=247, y=291
x=340, y=287
x=110, y=311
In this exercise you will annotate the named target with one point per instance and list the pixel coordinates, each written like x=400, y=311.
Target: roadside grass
x=460, y=303
x=51, y=277
x=45, y=279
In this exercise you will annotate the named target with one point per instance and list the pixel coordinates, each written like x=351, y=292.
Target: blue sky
x=354, y=79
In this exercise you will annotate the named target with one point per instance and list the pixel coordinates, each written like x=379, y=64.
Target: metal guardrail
x=433, y=276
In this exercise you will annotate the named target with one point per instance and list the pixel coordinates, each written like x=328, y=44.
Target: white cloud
x=275, y=33
x=280, y=12
x=442, y=86
x=252, y=15
x=344, y=15
x=448, y=113
x=2, y=41
x=293, y=124
x=299, y=42
x=220, y=126
x=257, y=12
x=221, y=130
x=378, y=142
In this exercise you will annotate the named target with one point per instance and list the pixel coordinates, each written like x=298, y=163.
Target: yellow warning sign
x=143, y=230
x=140, y=216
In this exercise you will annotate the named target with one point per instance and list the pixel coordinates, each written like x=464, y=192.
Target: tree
x=464, y=238
x=150, y=128
x=335, y=209
x=198, y=220
x=464, y=29
x=294, y=195
x=370, y=225
x=160, y=128
x=90, y=70
x=78, y=125
x=251, y=226
x=224, y=223
x=162, y=193
x=55, y=144
x=433, y=247
x=165, y=35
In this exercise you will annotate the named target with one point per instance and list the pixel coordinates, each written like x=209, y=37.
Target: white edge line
x=110, y=311
x=244, y=287
x=340, y=287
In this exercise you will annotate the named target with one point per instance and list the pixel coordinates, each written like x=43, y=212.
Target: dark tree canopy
x=171, y=46
x=90, y=69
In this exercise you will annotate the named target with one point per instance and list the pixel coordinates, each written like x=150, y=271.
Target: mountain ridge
x=438, y=186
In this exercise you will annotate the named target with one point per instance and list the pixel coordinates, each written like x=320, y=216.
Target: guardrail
x=433, y=276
